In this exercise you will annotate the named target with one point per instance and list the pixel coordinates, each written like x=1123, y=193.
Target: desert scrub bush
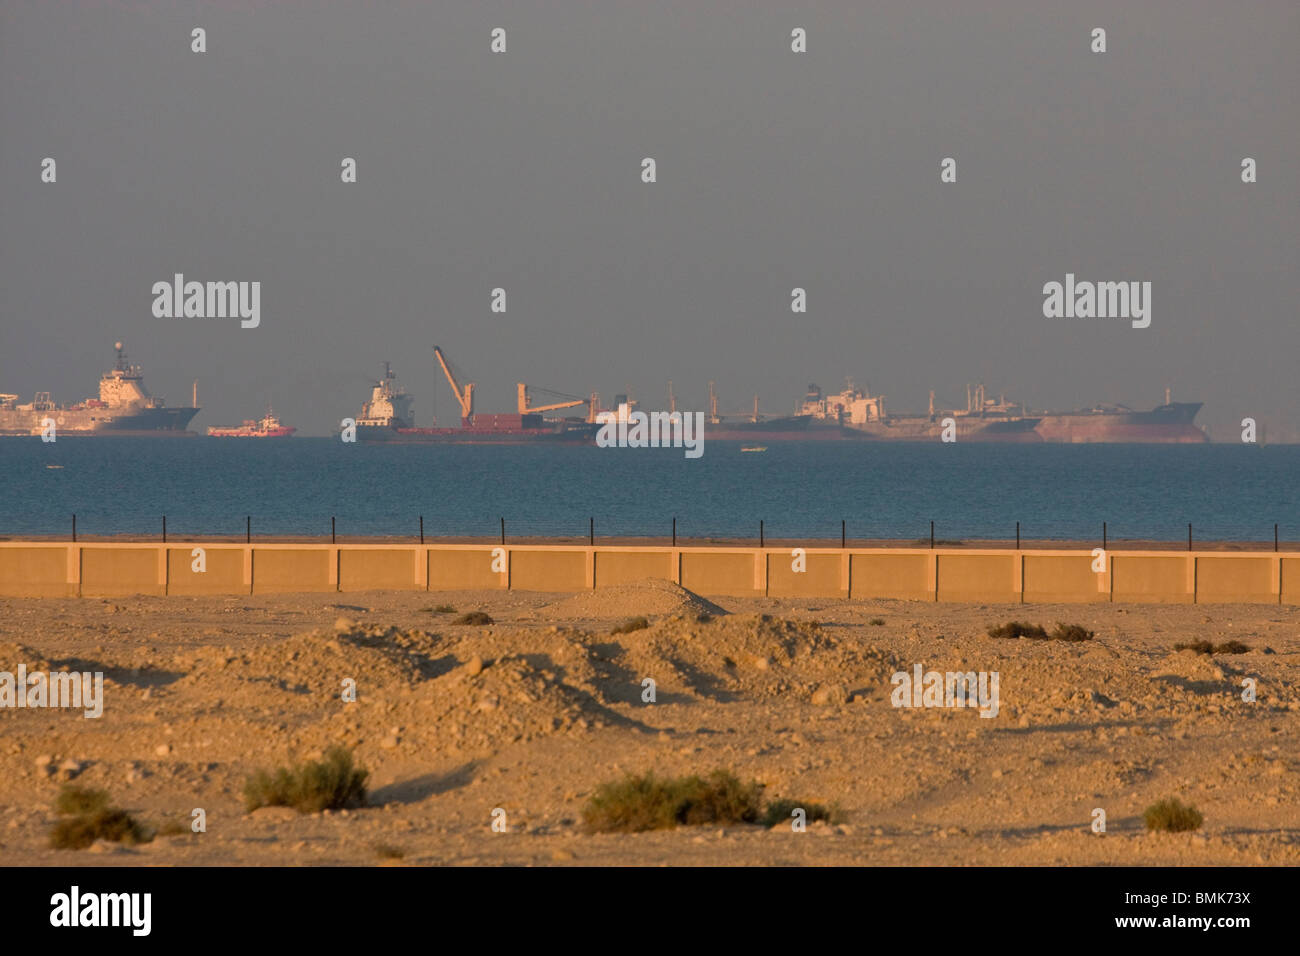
x=86, y=816
x=1014, y=629
x=1070, y=632
x=630, y=625
x=1205, y=647
x=1062, y=632
x=386, y=851
x=877, y=622
x=782, y=811
x=474, y=617
x=1172, y=816
x=173, y=828
x=330, y=784
x=439, y=609
x=635, y=804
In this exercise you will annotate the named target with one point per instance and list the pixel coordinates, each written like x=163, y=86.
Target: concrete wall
x=906, y=575
x=1153, y=579
x=35, y=571
x=303, y=568
x=462, y=569
x=1067, y=578
x=822, y=575
x=980, y=577
x=728, y=571
x=622, y=567
x=223, y=570
x=54, y=569
x=135, y=570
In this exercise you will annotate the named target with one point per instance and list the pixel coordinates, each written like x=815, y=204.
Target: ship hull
x=793, y=428
x=1001, y=431
x=471, y=436
x=236, y=433
x=1167, y=424
x=99, y=422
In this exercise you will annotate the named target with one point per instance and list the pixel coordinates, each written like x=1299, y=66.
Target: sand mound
x=419, y=691
x=317, y=662
x=646, y=598
x=751, y=656
x=483, y=704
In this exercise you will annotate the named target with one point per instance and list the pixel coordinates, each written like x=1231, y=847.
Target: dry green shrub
x=1070, y=632
x=1172, y=816
x=477, y=618
x=1014, y=629
x=782, y=811
x=1062, y=631
x=331, y=784
x=635, y=804
x=1231, y=647
x=1205, y=647
x=86, y=816
x=630, y=625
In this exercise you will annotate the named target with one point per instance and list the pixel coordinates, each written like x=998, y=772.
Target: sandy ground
x=531, y=713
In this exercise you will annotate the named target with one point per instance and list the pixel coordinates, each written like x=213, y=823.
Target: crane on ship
x=465, y=396
x=564, y=401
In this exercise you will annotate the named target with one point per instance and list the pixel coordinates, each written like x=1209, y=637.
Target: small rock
x=389, y=743
x=45, y=764
x=162, y=750
x=344, y=624
x=561, y=855
x=829, y=695
x=474, y=666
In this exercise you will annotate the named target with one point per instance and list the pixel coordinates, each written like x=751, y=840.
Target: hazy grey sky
x=775, y=170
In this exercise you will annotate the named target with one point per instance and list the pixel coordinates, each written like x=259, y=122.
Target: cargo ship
x=387, y=417
x=124, y=408
x=268, y=426
x=855, y=412
x=756, y=427
x=1170, y=423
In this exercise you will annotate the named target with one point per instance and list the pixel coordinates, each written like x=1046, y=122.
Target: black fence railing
x=672, y=532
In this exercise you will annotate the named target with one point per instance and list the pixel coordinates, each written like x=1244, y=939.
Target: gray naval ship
x=124, y=408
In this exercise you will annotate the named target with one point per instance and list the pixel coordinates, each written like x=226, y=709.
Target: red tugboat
x=269, y=426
